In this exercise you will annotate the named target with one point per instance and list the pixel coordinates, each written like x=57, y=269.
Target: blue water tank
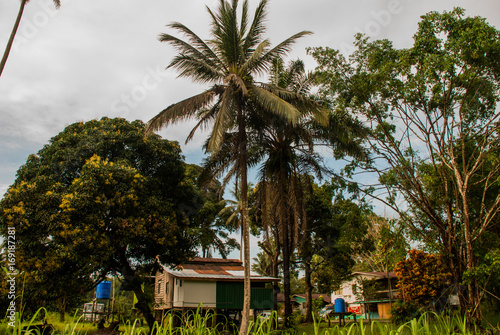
x=339, y=305
x=103, y=290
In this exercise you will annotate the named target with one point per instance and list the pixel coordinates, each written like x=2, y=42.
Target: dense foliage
x=101, y=198
x=433, y=112
x=422, y=279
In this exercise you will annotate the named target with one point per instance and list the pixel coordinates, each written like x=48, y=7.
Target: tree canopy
x=433, y=113
x=101, y=198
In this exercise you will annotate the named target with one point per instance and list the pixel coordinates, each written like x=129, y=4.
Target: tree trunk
x=61, y=307
x=275, y=275
x=12, y=36
x=133, y=283
x=143, y=305
x=473, y=314
x=244, y=223
x=286, y=274
x=309, y=288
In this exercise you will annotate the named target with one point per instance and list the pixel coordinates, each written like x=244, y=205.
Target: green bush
x=402, y=312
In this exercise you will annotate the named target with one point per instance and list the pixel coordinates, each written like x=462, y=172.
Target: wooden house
x=212, y=283
x=369, y=293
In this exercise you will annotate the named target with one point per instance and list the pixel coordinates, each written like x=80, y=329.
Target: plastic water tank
x=339, y=305
x=103, y=290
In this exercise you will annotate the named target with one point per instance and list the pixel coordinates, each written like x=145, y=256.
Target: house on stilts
x=214, y=284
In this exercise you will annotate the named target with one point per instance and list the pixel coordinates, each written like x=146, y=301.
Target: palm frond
x=276, y=72
x=274, y=104
x=302, y=102
x=198, y=44
x=205, y=118
x=284, y=47
x=244, y=18
x=257, y=29
x=195, y=69
x=225, y=30
x=224, y=120
x=250, y=65
x=183, y=110
x=193, y=63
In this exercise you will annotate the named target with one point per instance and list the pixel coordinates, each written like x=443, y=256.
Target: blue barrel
x=103, y=290
x=339, y=306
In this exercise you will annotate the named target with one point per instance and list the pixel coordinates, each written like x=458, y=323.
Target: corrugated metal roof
x=211, y=269
x=215, y=260
x=216, y=276
x=377, y=274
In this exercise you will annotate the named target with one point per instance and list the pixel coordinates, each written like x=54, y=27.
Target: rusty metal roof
x=377, y=274
x=215, y=269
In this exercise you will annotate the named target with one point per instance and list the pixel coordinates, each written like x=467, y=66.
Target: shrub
x=402, y=312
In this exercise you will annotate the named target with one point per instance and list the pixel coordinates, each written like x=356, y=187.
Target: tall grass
x=18, y=324
x=202, y=322
x=427, y=324
x=73, y=327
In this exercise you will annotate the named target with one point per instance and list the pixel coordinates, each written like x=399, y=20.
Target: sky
x=97, y=58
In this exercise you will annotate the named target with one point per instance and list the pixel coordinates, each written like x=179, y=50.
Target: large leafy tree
x=392, y=243
x=336, y=234
x=229, y=62
x=100, y=199
x=8, y=47
x=433, y=108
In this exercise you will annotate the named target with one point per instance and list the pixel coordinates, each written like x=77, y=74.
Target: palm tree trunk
x=244, y=222
x=275, y=275
x=241, y=244
x=12, y=35
x=309, y=288
x=286, y=274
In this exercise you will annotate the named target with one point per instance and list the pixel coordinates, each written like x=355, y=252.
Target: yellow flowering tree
x=100, y=199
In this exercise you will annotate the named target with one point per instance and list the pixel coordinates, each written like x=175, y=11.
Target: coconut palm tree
x=290, y=159
x=229, y=62
x=57, y=3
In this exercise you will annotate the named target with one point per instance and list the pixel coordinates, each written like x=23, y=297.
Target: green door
x=230, y=296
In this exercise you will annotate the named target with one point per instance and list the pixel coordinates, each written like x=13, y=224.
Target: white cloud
x=75, y=63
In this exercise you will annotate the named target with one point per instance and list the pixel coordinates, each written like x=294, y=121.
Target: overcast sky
x=95, y=58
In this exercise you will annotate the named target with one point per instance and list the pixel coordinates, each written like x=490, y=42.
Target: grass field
x=198, y=324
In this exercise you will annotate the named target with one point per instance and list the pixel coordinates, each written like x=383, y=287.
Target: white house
x=376, y=301
x=214, y=283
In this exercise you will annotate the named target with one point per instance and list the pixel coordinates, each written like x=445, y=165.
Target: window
x=354, y=289
x=339, y=291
